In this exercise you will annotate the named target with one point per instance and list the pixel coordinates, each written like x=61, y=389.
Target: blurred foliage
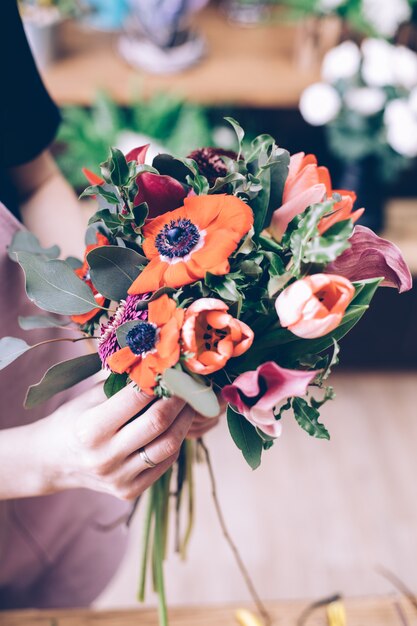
x=86, y=134
x=350, y=11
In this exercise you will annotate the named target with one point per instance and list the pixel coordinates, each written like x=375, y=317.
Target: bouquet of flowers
x=368, y=102
x=220, y=275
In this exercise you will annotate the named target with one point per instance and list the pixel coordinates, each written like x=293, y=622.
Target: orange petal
x=169, y=338
x=122, y=360
x=150, y=279
x=92, y=178
x=324, y=177
x=218, y=319
x=143, y=375
x=160, y=311
x=181, y=273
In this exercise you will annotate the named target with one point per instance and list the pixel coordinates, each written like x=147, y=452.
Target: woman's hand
x=88, y=442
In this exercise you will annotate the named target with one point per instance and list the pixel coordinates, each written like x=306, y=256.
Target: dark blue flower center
x=141, y=338
x=177, y=238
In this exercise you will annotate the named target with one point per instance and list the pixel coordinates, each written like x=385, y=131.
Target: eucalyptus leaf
x=200, y=397
x=62, y=376
x=41, y=321
x=24, y=241
x=245, y=437
x=54, y=287
x=114, y=383
x=113, y=269
x=73, y=262
x=11, y=348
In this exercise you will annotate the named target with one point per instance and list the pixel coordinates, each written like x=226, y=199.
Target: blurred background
x=334, y=77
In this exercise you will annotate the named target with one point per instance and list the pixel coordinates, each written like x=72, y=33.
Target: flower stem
x=158, y=551
x=145, y=547
x=242, y=567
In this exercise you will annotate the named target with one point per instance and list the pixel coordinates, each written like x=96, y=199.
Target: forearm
x=22, y=469
x=49, y=206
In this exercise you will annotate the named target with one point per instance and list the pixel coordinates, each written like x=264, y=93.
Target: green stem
x=190, y=487
x=158, y=553
x=145, y=547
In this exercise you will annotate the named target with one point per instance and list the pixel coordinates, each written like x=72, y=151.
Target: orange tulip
x=83, y=272
x=314, y=306
x=212, y=336
x=199, y=237
x=152, y=346
x=308, y=184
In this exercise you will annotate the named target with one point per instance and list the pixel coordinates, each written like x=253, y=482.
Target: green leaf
x=41, y=321
x=225, y=287
x=114, y=383
x=117, y=167
x=98, y=190
x=53, y=286
x=11, y=348
x=73, y=262
x=200, y=397
x=24, y=241
x=240, y=133
x=113, y=269
x=140, y=213
x=62, y=376
x=306, y=230
x=329, y=246
x=278, y=167
x=260, y=203
x=245, y=437
x=226, y=180
x=111, y=220
x=123, y=330
x=307, y=417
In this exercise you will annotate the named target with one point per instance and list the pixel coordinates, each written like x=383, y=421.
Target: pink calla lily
x=371, y=256
x=254, y=394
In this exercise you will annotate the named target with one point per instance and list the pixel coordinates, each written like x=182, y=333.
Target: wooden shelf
x=372, y=612
x=253, y=67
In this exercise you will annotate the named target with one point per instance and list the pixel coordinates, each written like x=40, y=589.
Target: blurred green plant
x=85, y=134
x=365, y=17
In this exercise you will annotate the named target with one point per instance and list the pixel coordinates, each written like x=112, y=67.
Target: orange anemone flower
x=212, y=336
x=182, y=245
x=152, y=346
x=83, y=272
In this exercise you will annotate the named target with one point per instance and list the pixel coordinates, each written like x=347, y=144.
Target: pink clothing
x=52, y=551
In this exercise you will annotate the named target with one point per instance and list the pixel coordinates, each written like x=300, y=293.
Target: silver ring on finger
x=145, y=458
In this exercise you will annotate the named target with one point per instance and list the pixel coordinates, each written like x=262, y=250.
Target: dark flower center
x=177, y=238
x=141, y=338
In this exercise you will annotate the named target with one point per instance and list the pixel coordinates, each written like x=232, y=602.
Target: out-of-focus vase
x=158, y=37
x=41, y=27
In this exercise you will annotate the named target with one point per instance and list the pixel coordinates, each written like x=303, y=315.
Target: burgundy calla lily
x=161, y=193
x=254, y=394
x=371, y=256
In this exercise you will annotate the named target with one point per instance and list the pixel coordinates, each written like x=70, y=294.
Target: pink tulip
x=161, y=193
x=371, y=257
x=308, y=184
x=254, y=394
x=314, y=306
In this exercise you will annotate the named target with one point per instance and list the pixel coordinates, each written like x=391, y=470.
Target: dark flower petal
x=161, y=193
x=138, y=154
x=371, y=256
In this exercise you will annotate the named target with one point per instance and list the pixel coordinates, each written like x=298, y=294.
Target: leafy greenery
x=245, y=437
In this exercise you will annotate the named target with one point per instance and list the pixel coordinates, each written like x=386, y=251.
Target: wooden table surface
x=246, y=66
x=384, y=611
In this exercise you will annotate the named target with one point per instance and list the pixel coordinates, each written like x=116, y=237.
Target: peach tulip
x=308, y=184
x=212, y=336
x=314, y=306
